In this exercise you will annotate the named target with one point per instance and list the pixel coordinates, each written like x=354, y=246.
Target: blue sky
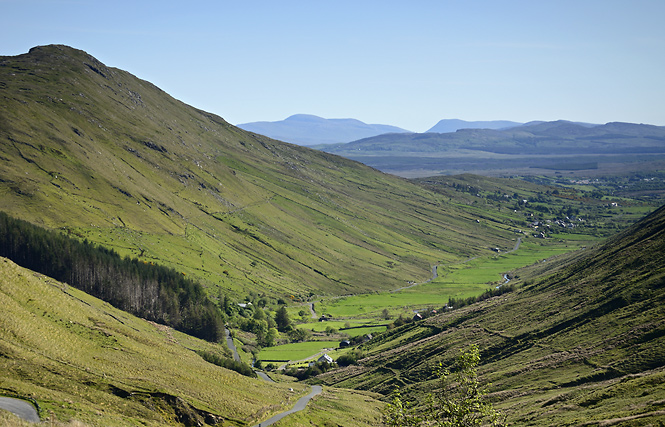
x=407, y=64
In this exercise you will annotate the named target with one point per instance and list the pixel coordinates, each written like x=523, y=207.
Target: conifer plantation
x=150, y=291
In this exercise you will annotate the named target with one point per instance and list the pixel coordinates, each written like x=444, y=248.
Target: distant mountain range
x=306, y=129
x=310, y=130
x=533, y=148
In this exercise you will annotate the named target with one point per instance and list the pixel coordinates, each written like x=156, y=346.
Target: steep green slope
x=582, y=341
x=111, y=158
x=80, y=358
x=83, y=362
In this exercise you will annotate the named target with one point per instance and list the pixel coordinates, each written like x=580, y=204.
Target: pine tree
x=282, y=319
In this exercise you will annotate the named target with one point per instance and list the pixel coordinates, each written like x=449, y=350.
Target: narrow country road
x=311, y=308
x=434, y=276
x=231, y=345
x=517, y=245
x=264, y=376
x=299, y=406
x=236, y=356
x=21, y=408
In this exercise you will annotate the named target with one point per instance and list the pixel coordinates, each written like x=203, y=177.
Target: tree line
x=150, y=291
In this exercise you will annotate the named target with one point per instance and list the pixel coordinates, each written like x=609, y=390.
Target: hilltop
x=452, y=125
x=98, y=153
x=307, y=129
x=581, y=340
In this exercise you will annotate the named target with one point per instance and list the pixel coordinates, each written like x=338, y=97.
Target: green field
x=466, y=279
x=455, y=281
x=355, y=329
x=296, y=351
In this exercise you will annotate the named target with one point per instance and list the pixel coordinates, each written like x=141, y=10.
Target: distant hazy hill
x=451, y=125
x=531, y=148
x=305, y=129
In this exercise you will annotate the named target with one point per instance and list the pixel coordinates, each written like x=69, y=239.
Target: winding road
x=434, y=276
x=299, y=406
x=20, y=408
x=27, y=411
x=517, y=245
x=231, y=345
x=311, y=308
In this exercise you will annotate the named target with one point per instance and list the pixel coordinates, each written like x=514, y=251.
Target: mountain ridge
x=533, y=148
x=108, y=157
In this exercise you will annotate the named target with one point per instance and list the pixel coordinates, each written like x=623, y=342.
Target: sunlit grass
x=338, y=407
x=296, y=351
x=455, y=281
x=69, y=351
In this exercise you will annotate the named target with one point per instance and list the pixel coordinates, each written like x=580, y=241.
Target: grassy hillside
x=111, y=158
x=580, y=343
x=86, y=363
x=80, y=358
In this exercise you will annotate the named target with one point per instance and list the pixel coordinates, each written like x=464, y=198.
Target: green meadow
x=356, y=328
x=461, y=280
x=296, y=351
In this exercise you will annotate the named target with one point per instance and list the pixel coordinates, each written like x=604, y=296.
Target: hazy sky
x=408, y=63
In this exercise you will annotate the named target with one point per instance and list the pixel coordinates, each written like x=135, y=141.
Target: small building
x=325, y=358
x=344, y=344
x=417, y=317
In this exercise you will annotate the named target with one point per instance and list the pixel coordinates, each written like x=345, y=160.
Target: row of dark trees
x=150, y=291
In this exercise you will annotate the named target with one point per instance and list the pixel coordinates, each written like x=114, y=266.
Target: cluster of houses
x=542, y=226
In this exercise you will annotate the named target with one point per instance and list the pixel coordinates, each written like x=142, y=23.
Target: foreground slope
x=80, y=358
x=583, y=340
x=111, y=158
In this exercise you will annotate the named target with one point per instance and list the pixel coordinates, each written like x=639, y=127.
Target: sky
x=407, y=64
